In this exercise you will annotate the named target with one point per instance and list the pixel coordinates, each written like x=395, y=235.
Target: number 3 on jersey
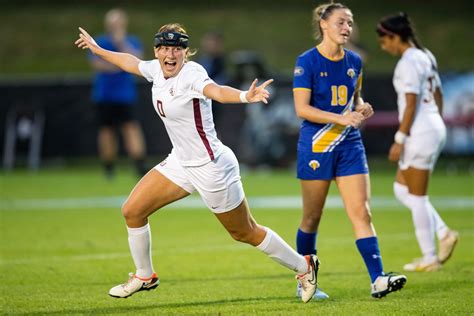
x=339, y=95
x=159, y=108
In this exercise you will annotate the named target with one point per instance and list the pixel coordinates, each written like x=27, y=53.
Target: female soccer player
x=182, y=92
x=419, y=139
x=326, y=88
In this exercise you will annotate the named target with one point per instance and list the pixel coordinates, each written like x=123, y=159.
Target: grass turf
x=64, y=262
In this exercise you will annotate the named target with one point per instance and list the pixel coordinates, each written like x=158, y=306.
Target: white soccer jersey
x=416, y=73
x=185, y=111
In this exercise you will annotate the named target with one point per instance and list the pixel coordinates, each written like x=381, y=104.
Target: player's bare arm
x=405, y=125
x=409, y=115
x=438, y=96
x=127, y=62
x=305, y=111
x=363, y=107
x=226, y=94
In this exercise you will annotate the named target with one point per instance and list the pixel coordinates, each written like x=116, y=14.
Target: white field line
x=465, y=203
x=120, y=255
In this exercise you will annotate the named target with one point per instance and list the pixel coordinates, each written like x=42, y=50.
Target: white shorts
x=422, y=150
x=218, y=182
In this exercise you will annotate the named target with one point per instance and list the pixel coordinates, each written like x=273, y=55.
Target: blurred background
x=46, y=111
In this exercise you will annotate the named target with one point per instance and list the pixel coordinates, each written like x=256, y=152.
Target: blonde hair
x=322, y=12
x=176, y=27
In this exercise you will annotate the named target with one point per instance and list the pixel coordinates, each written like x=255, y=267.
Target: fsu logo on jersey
x=351, y=72
x=314, y=164
x=172, y=92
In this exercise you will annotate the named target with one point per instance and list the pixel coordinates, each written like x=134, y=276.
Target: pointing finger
x=253, y=85
x=266, y=83
x=84, y=32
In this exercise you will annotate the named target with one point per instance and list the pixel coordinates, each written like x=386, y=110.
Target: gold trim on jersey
x=327, y=138
x=331, y=59
x=358, y=86
x=303, y=89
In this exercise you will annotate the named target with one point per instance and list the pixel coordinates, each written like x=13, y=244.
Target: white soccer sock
x=139, y=240
x=277, y=249
x=440, y=226
x=424, y=226
x=401, y=193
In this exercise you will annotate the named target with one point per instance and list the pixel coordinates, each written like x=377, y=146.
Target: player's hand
x=365, y=109
x=86, y=41
x=258, y=94
x=353, y=119
x=395, y=152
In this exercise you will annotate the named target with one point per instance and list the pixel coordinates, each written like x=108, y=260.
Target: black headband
x=171, y=39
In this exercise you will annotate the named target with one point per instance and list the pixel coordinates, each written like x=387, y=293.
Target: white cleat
x=418, y=265
x=319, y=294
x=446, y=245
x=309, y=280
x=133, y=285
x=388, y=283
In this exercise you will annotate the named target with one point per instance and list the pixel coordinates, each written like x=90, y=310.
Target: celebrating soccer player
x=182, y=96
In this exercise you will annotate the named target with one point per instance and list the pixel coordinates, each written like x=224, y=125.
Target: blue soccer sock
x=306, y=243
x=370, y=251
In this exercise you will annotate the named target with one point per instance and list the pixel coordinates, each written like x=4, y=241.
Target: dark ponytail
x=400, y=25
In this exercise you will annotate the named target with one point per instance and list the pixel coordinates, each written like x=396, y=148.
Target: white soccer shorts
x=217, y=182
x=421, y=151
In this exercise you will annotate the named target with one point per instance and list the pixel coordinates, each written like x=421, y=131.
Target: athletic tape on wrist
x=400, y=137
x=243, y=97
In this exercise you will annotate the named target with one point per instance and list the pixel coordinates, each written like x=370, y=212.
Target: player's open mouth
x=170, y=65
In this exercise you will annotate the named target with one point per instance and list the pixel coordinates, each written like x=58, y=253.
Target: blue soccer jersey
x=116, y=87
x=333, y=84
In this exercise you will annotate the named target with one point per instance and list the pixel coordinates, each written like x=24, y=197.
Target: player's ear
x=324, y=25
x=156, y=51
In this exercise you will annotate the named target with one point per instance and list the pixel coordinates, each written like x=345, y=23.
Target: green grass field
x=58, y=260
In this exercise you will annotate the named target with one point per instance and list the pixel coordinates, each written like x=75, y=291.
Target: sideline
x=464, y=203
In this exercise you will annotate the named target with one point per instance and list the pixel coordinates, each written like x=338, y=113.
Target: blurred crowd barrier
x=47, y=118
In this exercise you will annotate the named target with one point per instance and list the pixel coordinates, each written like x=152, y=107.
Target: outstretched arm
x=127, y=62
x=226, y=94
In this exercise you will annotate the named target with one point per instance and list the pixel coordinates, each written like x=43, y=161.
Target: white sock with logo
x=139, y=240
x=277, y=249
x=424, y=226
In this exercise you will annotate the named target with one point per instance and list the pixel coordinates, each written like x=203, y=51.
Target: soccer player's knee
x=128, y=211
x=397, y=192
x=401, y=193
x=312, y=220
x=363, y=215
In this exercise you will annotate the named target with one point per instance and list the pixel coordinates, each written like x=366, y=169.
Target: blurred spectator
x=114, y=94
x=212, y=57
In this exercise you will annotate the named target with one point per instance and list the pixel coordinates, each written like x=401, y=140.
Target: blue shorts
x=327, y=166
